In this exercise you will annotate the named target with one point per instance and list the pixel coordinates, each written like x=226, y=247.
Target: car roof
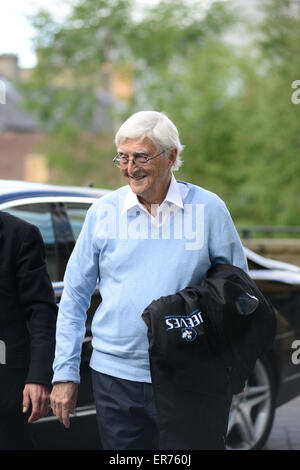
x=268, y=263
x=15, y=189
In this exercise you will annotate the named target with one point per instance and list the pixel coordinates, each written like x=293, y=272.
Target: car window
x=39, y=214
x=253, y=265
x=76, y=212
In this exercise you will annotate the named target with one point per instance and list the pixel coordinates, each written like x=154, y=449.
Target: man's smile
x=137, y=177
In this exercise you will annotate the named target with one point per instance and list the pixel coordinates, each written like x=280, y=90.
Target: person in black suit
x=28, y=315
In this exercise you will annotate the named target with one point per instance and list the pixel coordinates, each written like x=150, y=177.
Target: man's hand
x=63, y=400
x=39, y=397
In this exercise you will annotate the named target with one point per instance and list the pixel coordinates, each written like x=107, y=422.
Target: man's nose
x=131, y=165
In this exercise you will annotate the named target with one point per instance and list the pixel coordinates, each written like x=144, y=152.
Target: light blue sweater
x=135, y=262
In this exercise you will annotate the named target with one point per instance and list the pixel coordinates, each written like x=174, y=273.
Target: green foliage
x=231, y=104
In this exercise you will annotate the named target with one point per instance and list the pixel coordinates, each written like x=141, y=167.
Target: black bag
x=190, y=384
x=203, y=344
x=239, y=321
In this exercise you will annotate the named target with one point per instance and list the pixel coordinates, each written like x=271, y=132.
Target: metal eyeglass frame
x=116, y=160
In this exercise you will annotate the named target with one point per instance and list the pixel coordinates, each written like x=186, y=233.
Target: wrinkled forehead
x=137, y=144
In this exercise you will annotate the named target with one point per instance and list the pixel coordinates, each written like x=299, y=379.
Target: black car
x=59, y=212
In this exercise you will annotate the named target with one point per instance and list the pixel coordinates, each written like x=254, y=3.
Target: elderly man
x=148, y=239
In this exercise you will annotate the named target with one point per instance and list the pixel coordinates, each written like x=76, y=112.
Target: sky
x=15, y=29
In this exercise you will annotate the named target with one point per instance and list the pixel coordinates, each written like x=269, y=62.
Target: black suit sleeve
x=37, y=301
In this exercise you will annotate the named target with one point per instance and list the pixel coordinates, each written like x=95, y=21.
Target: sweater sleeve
x=79, y=283
x=225, y=245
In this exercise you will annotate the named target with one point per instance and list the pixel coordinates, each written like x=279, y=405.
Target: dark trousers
x=126, y=413
x=14, y=429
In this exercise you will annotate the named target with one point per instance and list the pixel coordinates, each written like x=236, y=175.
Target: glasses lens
x=124, y=161
x=140, y=160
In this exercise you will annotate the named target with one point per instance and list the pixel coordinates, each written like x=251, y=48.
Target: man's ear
x=173, y=155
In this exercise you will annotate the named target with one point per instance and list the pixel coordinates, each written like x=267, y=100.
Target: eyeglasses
x=122, y=161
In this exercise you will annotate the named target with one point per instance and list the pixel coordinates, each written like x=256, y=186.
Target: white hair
x=157, y=127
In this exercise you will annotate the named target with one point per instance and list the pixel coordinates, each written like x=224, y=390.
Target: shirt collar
x=173, y=196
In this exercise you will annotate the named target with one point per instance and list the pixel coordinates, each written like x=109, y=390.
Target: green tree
x=234, y=111
x=63, y=89
x=231, y=104
x=269, y=130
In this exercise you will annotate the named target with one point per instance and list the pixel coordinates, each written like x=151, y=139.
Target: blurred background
x=226, y=72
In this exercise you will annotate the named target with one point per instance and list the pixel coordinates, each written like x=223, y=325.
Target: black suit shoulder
x=14, y=225
x=12, y=220
x=17, y=235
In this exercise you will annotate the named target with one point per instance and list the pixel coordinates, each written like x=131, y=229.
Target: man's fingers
x=62, y=413
x=63, y=401
x=36, y=405
x=35, y=414
x=65, y=417
x=38, y=396
x=26, y=401
x=44, y=408
x=58, y=412
x=44, y=404
x=39, y=409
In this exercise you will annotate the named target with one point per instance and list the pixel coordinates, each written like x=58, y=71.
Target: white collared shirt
x=173, y=202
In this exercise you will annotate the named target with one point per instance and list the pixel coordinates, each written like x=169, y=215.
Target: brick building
x=20, y=136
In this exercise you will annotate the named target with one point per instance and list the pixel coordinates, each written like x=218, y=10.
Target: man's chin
x=137, y=184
